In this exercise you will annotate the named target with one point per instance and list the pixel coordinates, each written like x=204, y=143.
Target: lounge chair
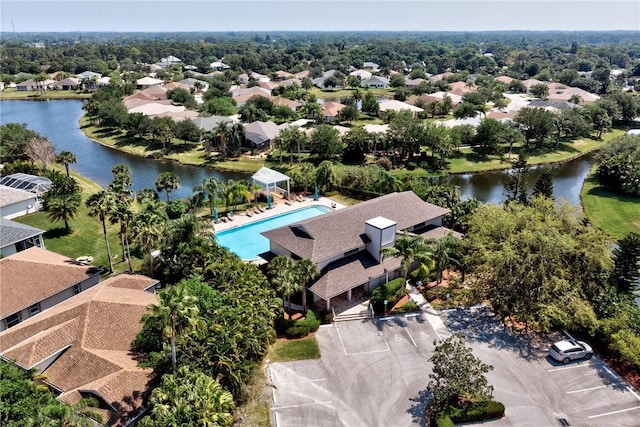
x=230, y=216
x=248, y=213
x=260, y=208
x=288, y=202
x=223, y=219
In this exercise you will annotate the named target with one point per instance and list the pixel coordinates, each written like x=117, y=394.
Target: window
x=76, y=289
x=34, y=309
x=12, y=320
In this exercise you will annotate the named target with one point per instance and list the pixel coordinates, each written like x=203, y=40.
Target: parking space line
x=590, y=365
x=301, y=405
x=594, y=388
x=632, y=391
x=610, y=372
x=614, y=412
x=410, y=336
x=341, y=342
x=361, y=352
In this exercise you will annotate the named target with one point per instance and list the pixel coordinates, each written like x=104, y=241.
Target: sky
x=314, y=15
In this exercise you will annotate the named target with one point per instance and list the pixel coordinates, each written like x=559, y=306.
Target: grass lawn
x=85, y=237
x=343, y=93
x=12, y=93
x=615, y=214
x=284, y=350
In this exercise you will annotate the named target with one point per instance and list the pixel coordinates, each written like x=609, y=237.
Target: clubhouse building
x=346, y=244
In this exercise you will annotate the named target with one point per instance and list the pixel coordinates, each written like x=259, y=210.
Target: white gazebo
x=269, y=179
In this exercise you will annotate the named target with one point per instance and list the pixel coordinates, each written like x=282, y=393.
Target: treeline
x=521, y=55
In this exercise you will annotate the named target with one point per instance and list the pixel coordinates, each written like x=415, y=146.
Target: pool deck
x=279, y=208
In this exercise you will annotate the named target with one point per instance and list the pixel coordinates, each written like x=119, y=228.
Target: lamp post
x=385, y=307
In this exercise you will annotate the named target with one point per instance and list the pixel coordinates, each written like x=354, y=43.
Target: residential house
x=289, y=82
x=31, y=84
x=16, y=237
x=411, y=83
x=70, y=83
x=175, y=85
x=441, y=76
x=89, y=75
x=36, y=279
x=260, y=134
x=245, y=77
x=83, y=347
x=147, y=82
x=562, y=93
x=254, y=90
x=376, y=129
x=529, y=83
x=268, y=85
x=35, y=184
x=169, y=60
x=394, y=105
x=347, y=244
x=504, y=79
x=284, y=75
x=302, y=74
x=15, y=202
x=279, y=101
x=361, y=74
x=319, y=81
x=207, y=124
x=331, y=110
x=218, y=66
x=375, y=82
x=370, y=66
x=193, y=84
x=461, y=88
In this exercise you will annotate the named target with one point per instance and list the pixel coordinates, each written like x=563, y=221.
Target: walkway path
x=432, y=315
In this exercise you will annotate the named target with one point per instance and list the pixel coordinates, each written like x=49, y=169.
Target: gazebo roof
x=268, y=176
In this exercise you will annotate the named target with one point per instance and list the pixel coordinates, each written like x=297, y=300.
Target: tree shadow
x=418, y=407
x=57, y=232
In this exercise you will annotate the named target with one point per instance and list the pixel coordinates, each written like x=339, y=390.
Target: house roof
x=376, y=128
x=376, y=80
x=342, y=275
x=207, y=124
x=254, y=90
x=175, y=85
x=284, y=74
x=32, y=183
x=504, y=79
x=564, y=94
x=361, y=74
x=336, y=232
x=302, y=74
x=35, y=274
x=394, y=105
x=12, y=232
x=148, y=81
x=156, y=92
x=331, y=108
x=155, y=108
x=69, y=81
x=88, y=74
x=258, y=132
x=10, y=196
x=279, y=101
x=92, y=333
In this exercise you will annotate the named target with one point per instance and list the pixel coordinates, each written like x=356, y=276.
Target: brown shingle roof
x=99, y=325
x=328, y=235
x=35, y=274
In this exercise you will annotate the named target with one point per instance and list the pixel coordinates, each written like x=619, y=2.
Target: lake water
x=58, y=120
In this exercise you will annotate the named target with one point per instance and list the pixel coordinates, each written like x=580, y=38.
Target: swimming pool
x=246, y=240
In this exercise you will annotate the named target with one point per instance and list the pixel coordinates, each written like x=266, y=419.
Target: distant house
x=566, y=93
x=89, y=75
x=319, y=81
x=15, y=202
x=31, y=84
x=192, y=83
x=331, y=110
x=170, y=60
x=393, y=105
x=83, y=346
x=16, y=237
x=504, y=79
x=244, y=78
x=289, y=82
x=346, y=245
x=375, y=82
x=284, y=75
x=255, y=90
x=370, y=65
x=461, y=88
x=302, y=74
x=279, y=101
x=147, y=82
x=411, y=83
x=361, y=74
x=69, y=83
x=260, y=134
x=207, y=124
x=36, y=279
x=218, y=66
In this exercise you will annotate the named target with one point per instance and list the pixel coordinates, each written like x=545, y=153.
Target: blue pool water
x=246, y=240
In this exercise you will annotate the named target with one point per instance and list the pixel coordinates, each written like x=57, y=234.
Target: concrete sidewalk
x=432, y=315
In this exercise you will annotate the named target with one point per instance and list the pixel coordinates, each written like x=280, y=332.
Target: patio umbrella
x=268, y=201
x=315, y=195
x=215, y=214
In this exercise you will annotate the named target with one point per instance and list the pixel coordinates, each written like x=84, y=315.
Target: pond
x=58, y=121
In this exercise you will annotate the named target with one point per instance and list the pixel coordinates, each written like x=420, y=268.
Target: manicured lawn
x=11, y=93
x=615, y=214
x=85, y=237
x=343, y=93
x=284, y=350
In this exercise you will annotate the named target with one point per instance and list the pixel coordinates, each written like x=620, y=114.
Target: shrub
x=175, y=209
x=444, y=421
x=409, y=307
x=297, y=332
x=384, y=163
x=411, y=166
x=478, y=411
x=391, y=291
x=312, y=321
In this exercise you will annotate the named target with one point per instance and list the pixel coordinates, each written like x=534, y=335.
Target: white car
x=568, y=350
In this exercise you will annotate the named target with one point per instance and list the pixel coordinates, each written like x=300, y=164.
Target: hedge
x=391, y=291
x=477, y=411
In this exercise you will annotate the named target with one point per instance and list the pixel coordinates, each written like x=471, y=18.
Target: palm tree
x=167, y=181
x=100, y=204
x=237, y=136
x=234, y=190
x=411, y=249
x=282, y=271
x=122, y=215
x=66, y=158
x=222, y=133
x=176, y=315
x=210, y=187
x=63, y=208
x=148, y=228
x=306, y=271
x=308, y=174
x=445, y=252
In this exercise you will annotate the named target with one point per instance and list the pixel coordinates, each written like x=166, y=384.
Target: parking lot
x=536, y=389
x=374, y=373
x=370, y=374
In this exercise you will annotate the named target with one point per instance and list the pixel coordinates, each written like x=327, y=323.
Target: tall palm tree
x=306, y=271
x=222, y=133
x=209, y=190
x=167, y=181
x=121, y=214
x=234, y=190
x=100, y=204
x=282, y=271
x=446, y=251
x=237, y=135
x=177, y=314
x=66, y=158
x=148, y=228
x=308, y=174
